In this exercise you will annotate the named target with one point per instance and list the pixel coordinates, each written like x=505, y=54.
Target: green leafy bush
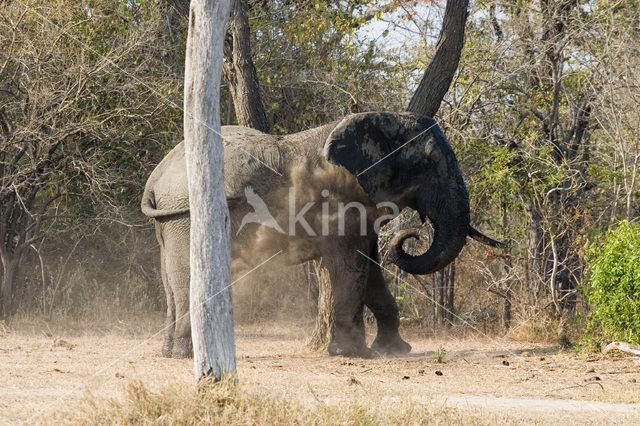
x=614, y=264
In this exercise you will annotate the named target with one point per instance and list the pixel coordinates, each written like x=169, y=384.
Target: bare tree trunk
x=8, y=287
x=506, y=313
x=445, y=279
x=240, y=72
x=312, y=285
x=435, y=283
x=535, y=253
x=439, y=74
x=10, y=263
x=451, y=292
x=210, y=300
x=324, y=327
x=506, y=272
x=508, y=295
x=442, y=283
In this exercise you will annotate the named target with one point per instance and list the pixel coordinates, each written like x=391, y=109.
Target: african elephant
x=363, y=165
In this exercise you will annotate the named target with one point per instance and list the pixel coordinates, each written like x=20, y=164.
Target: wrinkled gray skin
x=368, y=158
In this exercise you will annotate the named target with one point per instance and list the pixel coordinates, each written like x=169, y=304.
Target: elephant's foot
x=182, y=348
x=350, y=349
x=167, y=348
x=391, y=344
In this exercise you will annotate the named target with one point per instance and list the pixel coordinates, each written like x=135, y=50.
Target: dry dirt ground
x=490, y=380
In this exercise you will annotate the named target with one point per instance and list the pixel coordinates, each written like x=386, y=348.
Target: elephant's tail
x=149, y=208
x=479, y=236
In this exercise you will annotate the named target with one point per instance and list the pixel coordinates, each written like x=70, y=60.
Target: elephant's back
x=247, y=153
x=251, y=159
x=246, y=149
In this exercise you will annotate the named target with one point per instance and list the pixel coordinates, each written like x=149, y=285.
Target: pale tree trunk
x=210, y=300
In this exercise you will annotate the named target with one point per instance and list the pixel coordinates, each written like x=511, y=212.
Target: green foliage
x=99, y=99
x=614, y=263
x=102, y=83
x=88, y=105
x=313, y=71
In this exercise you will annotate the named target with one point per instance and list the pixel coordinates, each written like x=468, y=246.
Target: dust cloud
x=312, y=206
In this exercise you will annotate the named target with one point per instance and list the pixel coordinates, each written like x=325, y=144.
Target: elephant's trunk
x=448, y=212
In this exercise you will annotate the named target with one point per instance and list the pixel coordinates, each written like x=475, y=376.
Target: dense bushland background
x=544, y=114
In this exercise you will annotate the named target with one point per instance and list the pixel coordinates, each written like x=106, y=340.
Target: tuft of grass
x=564, y=342
x=228, y=402
x=440, y=354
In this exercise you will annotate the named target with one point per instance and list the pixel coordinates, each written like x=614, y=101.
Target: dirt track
x=522, y=383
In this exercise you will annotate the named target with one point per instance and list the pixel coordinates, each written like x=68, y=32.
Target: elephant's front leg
x=383, y=305
x=348, y=275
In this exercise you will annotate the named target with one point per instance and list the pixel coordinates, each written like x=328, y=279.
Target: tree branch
x=240, y=72
x=180, y=6
x=439, y=74
x=239, y=69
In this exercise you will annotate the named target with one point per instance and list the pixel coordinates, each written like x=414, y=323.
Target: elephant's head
x=405, y=158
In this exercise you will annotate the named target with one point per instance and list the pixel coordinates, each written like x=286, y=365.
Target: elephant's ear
x=372, y=147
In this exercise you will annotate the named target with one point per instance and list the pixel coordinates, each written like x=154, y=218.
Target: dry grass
x=228, y=403
x=123, y=323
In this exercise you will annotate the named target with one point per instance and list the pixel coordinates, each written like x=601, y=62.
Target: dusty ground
x=493, y=380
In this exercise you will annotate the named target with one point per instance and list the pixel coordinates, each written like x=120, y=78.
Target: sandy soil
x=494, y=380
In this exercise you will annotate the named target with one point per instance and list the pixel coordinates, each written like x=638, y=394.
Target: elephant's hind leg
x=176, y=243
x=170, y=321
x=383, y=305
